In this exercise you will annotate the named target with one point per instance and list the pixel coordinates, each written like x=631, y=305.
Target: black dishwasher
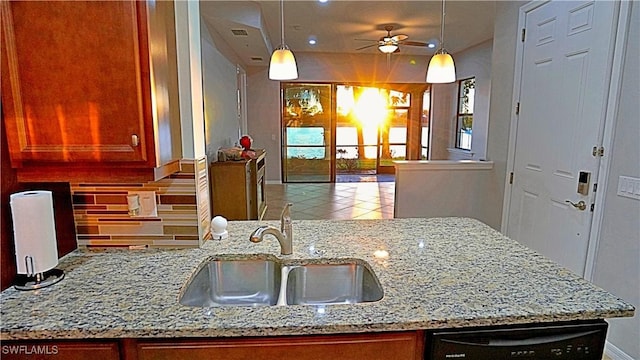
x=576, y=340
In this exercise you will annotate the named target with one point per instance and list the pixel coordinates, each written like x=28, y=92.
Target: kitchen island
x=438, y=273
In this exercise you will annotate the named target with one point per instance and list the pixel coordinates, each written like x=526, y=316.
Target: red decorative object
x=245, y=142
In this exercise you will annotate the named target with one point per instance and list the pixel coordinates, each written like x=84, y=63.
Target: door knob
x=580, y=205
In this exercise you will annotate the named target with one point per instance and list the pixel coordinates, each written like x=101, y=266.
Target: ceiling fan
x=391, y=43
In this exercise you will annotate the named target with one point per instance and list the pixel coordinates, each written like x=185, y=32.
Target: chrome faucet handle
x=285, y=216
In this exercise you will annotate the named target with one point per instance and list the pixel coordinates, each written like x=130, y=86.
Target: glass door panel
x=356, y=147
x=307, y=132
x=393, y=131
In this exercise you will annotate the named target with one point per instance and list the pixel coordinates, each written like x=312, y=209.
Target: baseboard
x=615, y=353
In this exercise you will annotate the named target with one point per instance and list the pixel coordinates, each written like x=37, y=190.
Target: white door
x=564, y=82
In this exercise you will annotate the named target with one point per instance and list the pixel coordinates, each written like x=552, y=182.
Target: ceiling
x=336, y=24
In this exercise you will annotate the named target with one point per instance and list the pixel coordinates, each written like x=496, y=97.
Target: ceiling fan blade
x=368, y=46
x=399, y=37
x=414, y=43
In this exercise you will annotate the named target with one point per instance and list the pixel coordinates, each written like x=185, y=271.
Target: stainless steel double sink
x=270, y=281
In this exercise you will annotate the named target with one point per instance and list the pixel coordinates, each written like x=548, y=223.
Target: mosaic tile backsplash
x=102, y=218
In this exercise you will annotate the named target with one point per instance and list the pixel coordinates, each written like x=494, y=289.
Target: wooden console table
x=237, y=188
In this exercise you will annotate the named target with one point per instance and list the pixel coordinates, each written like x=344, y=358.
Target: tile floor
x=313, y=201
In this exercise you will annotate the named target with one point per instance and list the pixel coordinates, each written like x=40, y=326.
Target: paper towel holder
x=34, y=281
x=34, y=233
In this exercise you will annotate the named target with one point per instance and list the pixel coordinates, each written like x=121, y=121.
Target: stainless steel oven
x=575, y=341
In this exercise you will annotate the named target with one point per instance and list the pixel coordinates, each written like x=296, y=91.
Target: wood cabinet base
x=373, y=346
x=406, y=345
x=54, y=349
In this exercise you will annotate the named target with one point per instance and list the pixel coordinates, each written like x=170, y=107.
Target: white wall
x=263, y=119
x=617, y=267
x=189, y=63
x=495, y=93
x=443, y=117
x=220, y=96
x=445, y=188
x=503, y=58
x=472, y=62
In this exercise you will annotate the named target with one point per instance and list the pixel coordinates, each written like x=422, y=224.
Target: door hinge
x=518, y=108
x=595, y=187
x=511, y=178
x=593, y=206
x=597, y=151
x=523, y=34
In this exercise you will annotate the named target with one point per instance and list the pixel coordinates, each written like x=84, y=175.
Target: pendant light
x=283, y=63
x=441, y=67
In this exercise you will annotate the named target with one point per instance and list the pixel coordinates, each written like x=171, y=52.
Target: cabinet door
x=68, y=350
x=75, y=82
x=397, y=346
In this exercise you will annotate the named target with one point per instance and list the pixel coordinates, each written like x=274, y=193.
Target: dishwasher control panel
x=575, y=341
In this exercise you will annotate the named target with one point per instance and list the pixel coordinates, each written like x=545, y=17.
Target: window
x=424, y=125
x=464, y=123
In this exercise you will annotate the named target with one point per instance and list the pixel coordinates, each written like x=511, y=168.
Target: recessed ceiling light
x=312, y=40
x=431, y=45
x=323, y=1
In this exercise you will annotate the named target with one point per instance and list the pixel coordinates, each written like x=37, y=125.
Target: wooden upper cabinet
x=89, y=89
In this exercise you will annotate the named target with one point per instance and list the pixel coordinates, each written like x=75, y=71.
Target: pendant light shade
x=441, y=67
x=283, y=64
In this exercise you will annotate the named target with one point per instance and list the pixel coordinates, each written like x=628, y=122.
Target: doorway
x=347, y=131
x=307, y=127
x=563, y=86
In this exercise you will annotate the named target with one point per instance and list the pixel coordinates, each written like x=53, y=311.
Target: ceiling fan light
x=283, y=65
x=441, y=69
x=388, y=48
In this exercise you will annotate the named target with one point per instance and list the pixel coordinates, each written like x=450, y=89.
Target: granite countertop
x=439, y=273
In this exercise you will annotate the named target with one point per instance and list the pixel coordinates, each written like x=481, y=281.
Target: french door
x=331, y=129
x=307, y=128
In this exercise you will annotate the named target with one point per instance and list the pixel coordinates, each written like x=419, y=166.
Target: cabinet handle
x=135, y=141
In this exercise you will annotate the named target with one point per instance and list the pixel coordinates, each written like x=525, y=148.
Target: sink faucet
x=284, y=235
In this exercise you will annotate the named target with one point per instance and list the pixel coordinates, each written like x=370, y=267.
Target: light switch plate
x=629, y=187
x=148, y=207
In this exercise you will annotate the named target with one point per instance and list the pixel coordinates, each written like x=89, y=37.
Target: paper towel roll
x=34, y=231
